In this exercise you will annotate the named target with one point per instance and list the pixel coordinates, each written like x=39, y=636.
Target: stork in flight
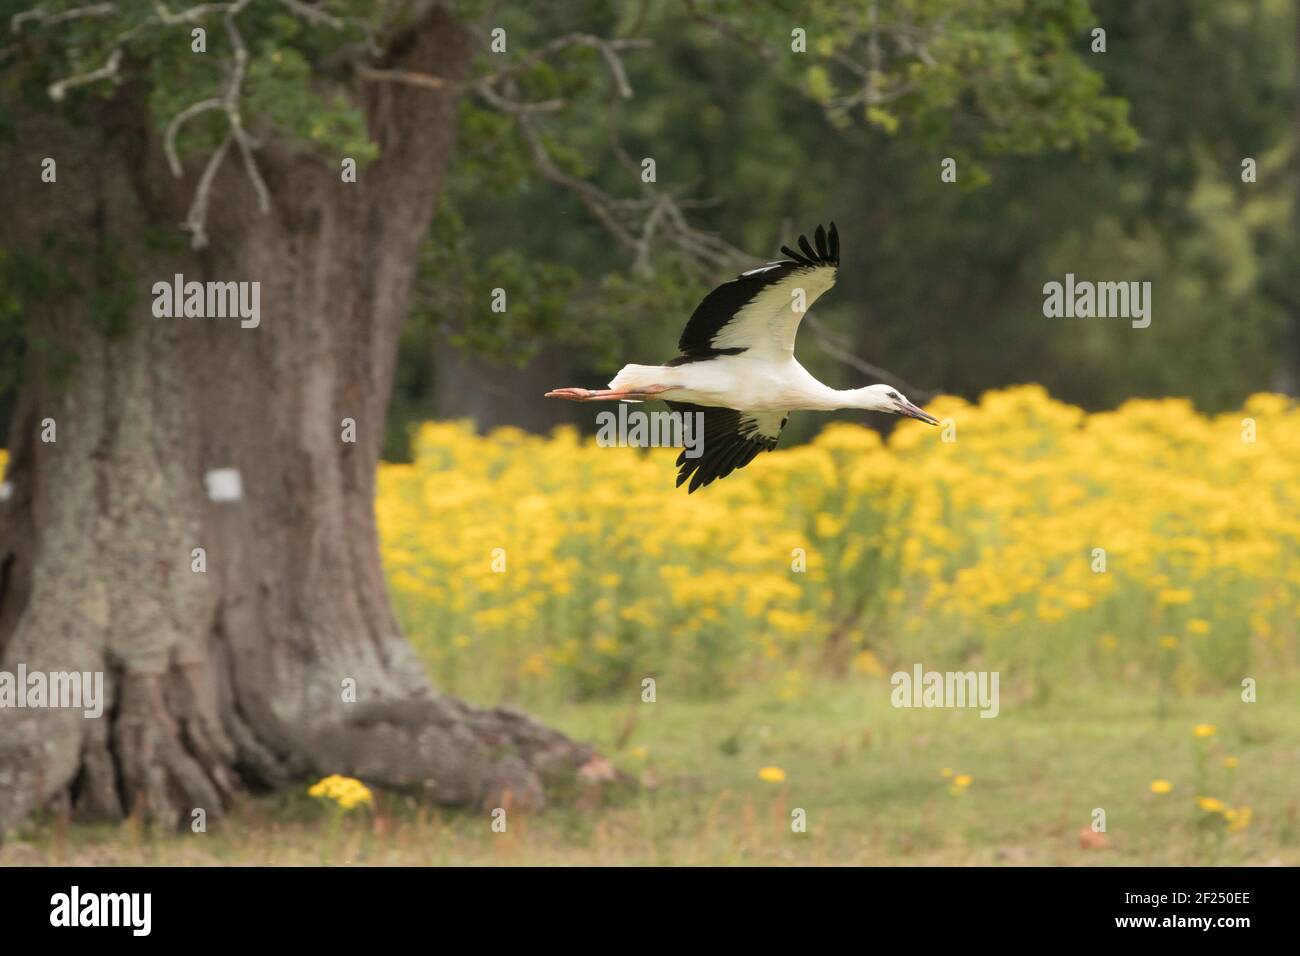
x=738, y=368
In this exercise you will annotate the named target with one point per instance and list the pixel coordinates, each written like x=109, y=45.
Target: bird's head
x=886, y=398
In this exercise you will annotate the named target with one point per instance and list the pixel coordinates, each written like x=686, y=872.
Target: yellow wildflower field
x=1146, y=544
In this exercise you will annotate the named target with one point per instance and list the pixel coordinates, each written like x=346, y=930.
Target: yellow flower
x=1169, y=642
x=946, y=772
x=1238, y=819
x=354, y=797
x=828, y=527
x=1109, y=642
x=1161, y=786
x=771, y=775
x=1211, y=804
x=1078, y=601
x=960, y=783
x=1230, y=762
x=640, y=753
x=1205, y=730
x=1198, y=625
x=865, y=662
x=534, y=665
x=347, y=792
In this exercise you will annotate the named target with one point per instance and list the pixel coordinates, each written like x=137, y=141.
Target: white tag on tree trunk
x=224, y=484
x=6, y=489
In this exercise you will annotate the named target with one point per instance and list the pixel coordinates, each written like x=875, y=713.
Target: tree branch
x=230, y=103
x=76, y=13
x=192, y=15
x=58, y=90
x=197, y=218
x=173, y=127
x=314, y=15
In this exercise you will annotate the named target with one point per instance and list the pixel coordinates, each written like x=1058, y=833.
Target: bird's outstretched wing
x=760, y=309
x=731, y=440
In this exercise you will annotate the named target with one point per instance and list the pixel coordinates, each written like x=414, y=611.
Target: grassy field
x=869, y=777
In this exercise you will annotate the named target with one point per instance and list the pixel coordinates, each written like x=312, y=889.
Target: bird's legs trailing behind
x=609, y=394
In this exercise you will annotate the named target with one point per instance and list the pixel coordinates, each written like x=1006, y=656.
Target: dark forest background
x=942, y=283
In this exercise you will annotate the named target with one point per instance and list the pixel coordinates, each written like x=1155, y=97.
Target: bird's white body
x=755, y=382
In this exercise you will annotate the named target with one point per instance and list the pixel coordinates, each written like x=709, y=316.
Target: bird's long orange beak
x=913, y=411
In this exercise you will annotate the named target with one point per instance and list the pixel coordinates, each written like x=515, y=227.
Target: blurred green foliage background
x=1130, y=171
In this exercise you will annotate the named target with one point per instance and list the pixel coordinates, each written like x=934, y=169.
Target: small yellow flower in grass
x=640, y=753
x=960, y=783
x=1109, y=642
x=325, y=786
x=828, y=527
x=946, y=772
x=868, y=663
x=1161, y=786
x=1169, y=642
x=1211, y=804
x=1231, y=762
x=1198, y=625
x=347, y=792
x=771, y=775
x=355, y=796
x=1175, y=596
x=1205, y=730
x=1238, y=819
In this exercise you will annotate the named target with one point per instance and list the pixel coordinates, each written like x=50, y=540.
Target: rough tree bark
x=230, y=680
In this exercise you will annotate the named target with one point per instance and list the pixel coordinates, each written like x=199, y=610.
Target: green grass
x=867, y=775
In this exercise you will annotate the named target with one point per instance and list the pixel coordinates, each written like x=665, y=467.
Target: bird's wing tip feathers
x=824, y=250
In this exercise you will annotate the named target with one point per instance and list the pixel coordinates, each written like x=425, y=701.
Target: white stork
x=738, y=367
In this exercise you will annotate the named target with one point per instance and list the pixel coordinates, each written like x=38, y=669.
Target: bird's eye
x=895, y=395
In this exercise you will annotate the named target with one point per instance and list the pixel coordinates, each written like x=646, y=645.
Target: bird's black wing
x=757, y=309
x=731, y=439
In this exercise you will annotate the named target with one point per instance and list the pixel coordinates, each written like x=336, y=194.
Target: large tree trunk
x=231, y=679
